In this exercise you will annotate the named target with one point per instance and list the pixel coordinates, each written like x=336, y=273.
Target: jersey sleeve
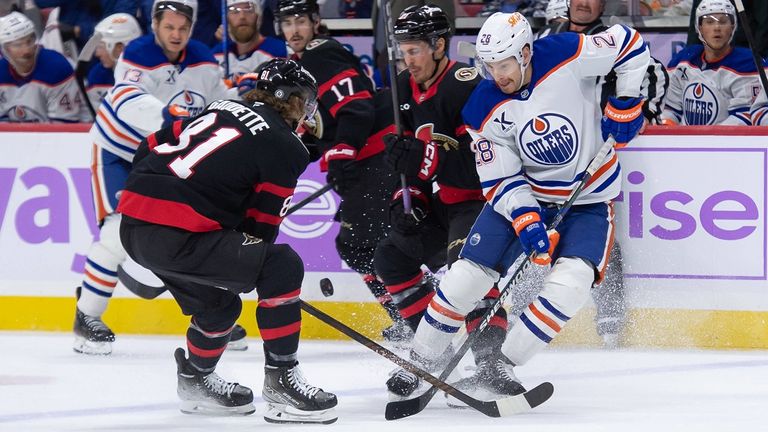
x=131, y=97
x=654, y=89
x=620, y=49
x=742, y=94
x=759, y=111
x=65, y=103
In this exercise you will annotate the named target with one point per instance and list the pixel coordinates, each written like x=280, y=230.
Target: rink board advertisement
x=691, y=221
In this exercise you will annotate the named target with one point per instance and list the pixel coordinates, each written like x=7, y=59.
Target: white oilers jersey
x=99, y=81
x=145, y=83
x=718, y=93
x=759, y=112
x=534, y=144
x=242, y=63
x=49, y=94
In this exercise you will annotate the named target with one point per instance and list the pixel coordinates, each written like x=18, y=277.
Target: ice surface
x=45, y=386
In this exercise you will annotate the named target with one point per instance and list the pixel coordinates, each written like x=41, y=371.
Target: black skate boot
x=208, y=394
x=402, y=384
x=493, y=379
x=92, y=336
x=291, y=399
x=398, y=333
x=237, y=340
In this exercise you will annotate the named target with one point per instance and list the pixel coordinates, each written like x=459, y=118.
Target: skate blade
x=280, y=414
x=238, y=345
x=209, y=409
x=84, y=346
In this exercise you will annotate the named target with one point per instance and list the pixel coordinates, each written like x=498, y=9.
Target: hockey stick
x=499, y=408
x=389, y=35
x=149, y=292
x=225, y=37
x=409, y=407
x=81, y=69
x=748, y=33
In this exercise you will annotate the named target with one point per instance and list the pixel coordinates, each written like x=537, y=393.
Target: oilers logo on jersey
x=549, y=139
x=700, y=106
x=21, y=113
x=191, y=101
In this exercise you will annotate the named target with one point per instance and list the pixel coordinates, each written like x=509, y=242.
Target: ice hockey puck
x=326, y=287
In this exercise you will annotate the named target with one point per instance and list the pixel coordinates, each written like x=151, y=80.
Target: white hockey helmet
x=15, y=26
x=188, y=8
x=256, y=4
x=118, y=28
x=502, y=36
x=710, y=7
x=556, y=9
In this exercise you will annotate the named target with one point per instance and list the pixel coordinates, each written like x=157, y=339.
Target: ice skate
x=209, y=394
x=405, y=385
x=290, y=399
x=398, y=333
x=493, y=379
x=237, y=340
x=92, y=336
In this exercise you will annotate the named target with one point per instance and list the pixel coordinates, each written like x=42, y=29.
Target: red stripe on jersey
x=176, y=129
x=461, y=130
x=205, y=353
x=278, y=332
x=262, y=217
x=453, y=195
x=418, y=307
x=375, y=143
x=165, y=212
x=347, y=99
x=152, y=141
x=335, y=80
x=281, y=191
x=279, y=300
x=394, y=289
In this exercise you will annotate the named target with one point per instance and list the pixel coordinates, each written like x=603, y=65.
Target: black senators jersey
x=434, y=115
x=349, y=110
x=232, y=167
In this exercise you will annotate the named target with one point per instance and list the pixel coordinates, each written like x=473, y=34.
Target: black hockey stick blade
x=498, y=408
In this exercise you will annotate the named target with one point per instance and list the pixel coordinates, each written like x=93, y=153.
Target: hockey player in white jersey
x=759, y=111
x=536, y=124
x=247, y=47
x=114, y=33
x=160, y=78
x=36, y=84
x=714, y=83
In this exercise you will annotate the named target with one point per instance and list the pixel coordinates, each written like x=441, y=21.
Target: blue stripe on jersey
x=555, y=183
x=738, y=110
x=96, y=290
x=125, y=125
x=631, y=55
x=101, y=269
x=676, y=111
x=609, y=181
x=442, y=297
x=508, y=188
x=626, y=39
x=548, y=306
x=125, y=99
x=535, y=330
x=494, y=182
x=438, y=325
x=104, y=135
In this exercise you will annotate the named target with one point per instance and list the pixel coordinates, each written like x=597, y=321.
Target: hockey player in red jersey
x=434, y=153
x=201, y=209
x=352, y=119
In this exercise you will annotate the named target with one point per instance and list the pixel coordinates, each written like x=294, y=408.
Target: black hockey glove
x=342, y=169
x=408, y=223
x=411, y=156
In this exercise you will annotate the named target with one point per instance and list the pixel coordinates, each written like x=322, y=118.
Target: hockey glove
x=173, y=112
x=533, y=234
x=622, y=118
x=408, y=223
x=246, y=83
x=411, y=156
x=342, y=169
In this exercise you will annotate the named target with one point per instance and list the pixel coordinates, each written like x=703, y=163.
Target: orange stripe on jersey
x=489, y=195
x=101, y=210
x=565, y=192
x=124, y=92
x=607, y=252
x=100, y=114
x=628, y=48
x=545, y=319
x=445, y=311
x=335, y=80
x=566, y=61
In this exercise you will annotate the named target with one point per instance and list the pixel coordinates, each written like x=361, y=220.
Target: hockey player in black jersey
x=201, y=209
x=434, y=153
x=347, y=132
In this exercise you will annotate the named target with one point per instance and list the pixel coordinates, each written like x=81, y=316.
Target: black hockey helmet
x=426, y=22
x=283, y=78
x=286, y=8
